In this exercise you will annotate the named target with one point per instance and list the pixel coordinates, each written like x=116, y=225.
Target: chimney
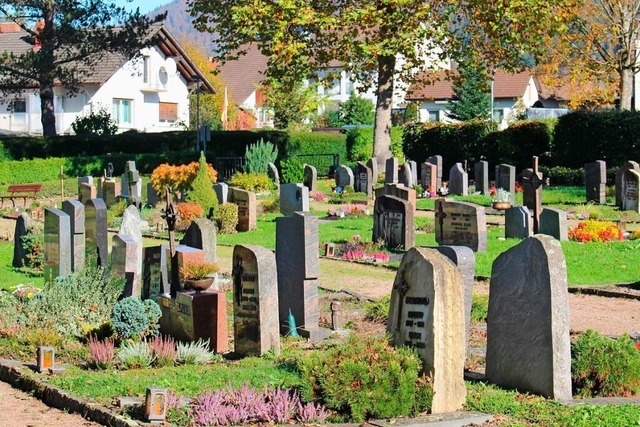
x=9, y=27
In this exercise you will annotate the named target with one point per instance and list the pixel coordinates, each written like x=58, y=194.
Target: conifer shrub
x=201, y=190
x=258, y=156
x=292, y=171
x=134, y=319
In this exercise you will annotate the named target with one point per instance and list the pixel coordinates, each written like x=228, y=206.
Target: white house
x=148, y=94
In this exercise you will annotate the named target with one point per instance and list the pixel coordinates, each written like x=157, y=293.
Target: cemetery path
x=19, y=409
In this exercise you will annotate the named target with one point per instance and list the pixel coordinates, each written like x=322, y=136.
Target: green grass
x=10, y=276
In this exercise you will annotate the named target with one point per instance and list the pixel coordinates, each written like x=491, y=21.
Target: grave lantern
x=46, y=358
x=155, y=408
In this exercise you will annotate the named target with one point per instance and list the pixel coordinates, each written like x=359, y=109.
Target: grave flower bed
x=348, y=209
x=595, y=231
x=356, y=250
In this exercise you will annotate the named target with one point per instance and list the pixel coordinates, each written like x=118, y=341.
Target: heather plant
x=194, y=353
x=135, y=355
x=258, y=156
x=201, y=190
x=164, y=350
x=311, y=413
x=602, y=366
x=101, y=353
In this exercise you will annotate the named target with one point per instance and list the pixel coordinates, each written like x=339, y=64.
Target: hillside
x=178, y=22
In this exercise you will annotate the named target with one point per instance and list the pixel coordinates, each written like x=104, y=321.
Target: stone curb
x=15, y=373
x=602, y=292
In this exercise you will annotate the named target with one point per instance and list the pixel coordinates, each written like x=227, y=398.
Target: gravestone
x=57, y=244
x=465, y=259
x=293, y=198
x=222, y=191
x=532, y=193
x=184, y=254
x=595, y=181
x=310, y=177
x=125, y=263
x=458, y=180
x=272, y=172
x=481, y=176
x=429, y=178
x=86, y=192
x=152, y=195
x=629, y=165
x=84, y=180
x=298, y=270
x=131, y=226
x=437, y=161
x=391, y=171
x=553, y=222
x=75, y=210
x=373, y=165
x=23, y=222
x=414, y=172
x=461, y=224
x=506, y=179
x=255, y=301
x=393, y=222
x=426, y=313
x=95, y=242
x=246, y=201
x=201, y=234
x=630, y=185
x=528, y=343
x=405, y=176
x=398, y=190
x=363, y=179
x=110, y=191
x=134, y=183
x=518, y=223
x=152, y=277
x=344, y=177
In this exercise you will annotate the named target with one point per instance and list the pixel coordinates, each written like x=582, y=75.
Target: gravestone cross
x=169, y=215
x=532, y=192
x=440, y=216
x=133, y=182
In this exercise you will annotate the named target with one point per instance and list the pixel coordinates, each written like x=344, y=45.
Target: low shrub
x=227, y=218
x=292, y=170
x=134, y=319
x=194, y=353
x=251, y=181
x=164, y=351
x=595, y=231
x=101, y=353
x=378, y=310
x=271, y=204
x=135, y=355
x=601, y=366
x=33, y=245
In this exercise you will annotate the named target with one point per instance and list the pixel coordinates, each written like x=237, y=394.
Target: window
x=434, y=116
x=145, y=69
x=498, y=115
x=19, y=106
x=121, y=111
x=168, y=112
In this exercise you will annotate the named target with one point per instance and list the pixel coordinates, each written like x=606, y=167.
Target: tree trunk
x=384, y=92
x=626, y=88
x=46, y=108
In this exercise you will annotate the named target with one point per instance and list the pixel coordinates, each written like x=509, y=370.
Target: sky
x=144, y=5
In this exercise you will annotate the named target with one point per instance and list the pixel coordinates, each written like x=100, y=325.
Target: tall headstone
x=363, y=179
x=429, y=178
x=373, y=165
x=310, y=177
x=393, y=222
x=57, y=244
x=528, y=343
x=255, y=301
x=82, y=196
x=458, y=180
x=595, y=181
x=518, y=223
x=461, y=224
x=553, y=222
x=111, y=190
x=506, y=179
x=201, y=234
x=96, y=250
x=272, y=172
x=437, y=160
x=398, y=190
x=247, y=214
x=222, y=191
x=391, y=171
x=152, y=277
x=414, y=172
x=630, y=186
x=629, y=165
x=134, y=183
x=293, y=198
x=344, y=176
x=298, y=270
x=405, y=176
x=532, y=193
x=131, y=226
x=125, y=263
x=426, y=313
x=481, y=176
x=86, y=192
x=75, y=210
x=23, y=222
x=152, y=195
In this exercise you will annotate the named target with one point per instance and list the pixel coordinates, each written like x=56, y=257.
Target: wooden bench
x=24, y=191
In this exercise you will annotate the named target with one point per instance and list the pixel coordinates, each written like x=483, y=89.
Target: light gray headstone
x=461, y=224
x=23, y=222
x=75, y=210
x=518, y=223
x=131, y=226
x=293, y=198
x=553, y=222
x=630, y=194
x=437, y=160
x=222, y=191
x=458, y=180
x=528, y=343
x=393, y=222
x=405, y=176
x=391, y=171
x=344, y=176
x=201, y=234
x=310, y=177
x=595, y=181
x=256, y=323
x=506, y=179
x=272, y=171
x=629, y=165
x=426, y=313
x=481, y=176
x=57, y=244
x=247, y=208
x=414, y=172
x=126, y=262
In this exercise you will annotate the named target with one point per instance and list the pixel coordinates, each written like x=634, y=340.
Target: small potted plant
x=502, y=200
x=198, y=275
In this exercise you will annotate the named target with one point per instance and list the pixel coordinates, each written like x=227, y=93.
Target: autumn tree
x=69, y=38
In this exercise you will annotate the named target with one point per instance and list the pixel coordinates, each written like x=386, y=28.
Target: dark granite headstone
x=272, y=171
x=310, y=177
x=629, y=165
x=437, y=160
x=481, y=176
x=255, y=301
x=363, y=179
x=152, y=284
x=373, y=165
x=506, y=179
x=461, y=224
x=391, y=171
x=201, y=234
x=75, y=210
x=532, y=193
x=222, y=191
x=344, y=176
x=393, y=222
x=23, y=222
x=152, y=195
x=247, y=205
x=518, y=223
x=125, y=263
x=426, y=313
x=528, y=342
x=458, y=180
x=553, y=222
x=96, y=250
x=630, y=186
x=595, y=181
x=293, y=198
x=57, y=244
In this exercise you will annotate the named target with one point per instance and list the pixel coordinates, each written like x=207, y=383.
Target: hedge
x=360, y=143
